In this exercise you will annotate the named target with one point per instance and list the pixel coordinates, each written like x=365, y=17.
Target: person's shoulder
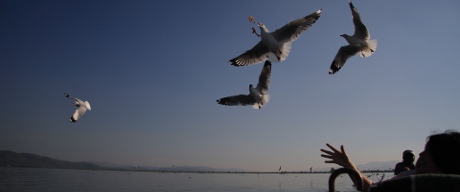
x=400, y=164
x=405, y=174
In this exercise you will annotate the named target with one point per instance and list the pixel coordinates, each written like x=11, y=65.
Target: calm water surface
x=29, y=179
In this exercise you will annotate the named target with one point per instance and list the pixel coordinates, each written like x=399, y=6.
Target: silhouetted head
x=444, y=149
x=408, y=156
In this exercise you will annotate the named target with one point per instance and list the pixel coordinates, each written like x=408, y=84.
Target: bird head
x=87, y=105
x=261, y=25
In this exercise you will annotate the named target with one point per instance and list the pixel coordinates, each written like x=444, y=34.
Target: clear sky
x=152, y=71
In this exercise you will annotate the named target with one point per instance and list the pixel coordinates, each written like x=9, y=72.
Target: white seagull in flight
x=257, y=96
x=277, y=43
x=82, y=107
x=360, y=42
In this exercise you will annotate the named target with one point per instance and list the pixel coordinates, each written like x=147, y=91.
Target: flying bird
x=82, y=107
x=257, y=96
x=277, y=43
x=360, y=42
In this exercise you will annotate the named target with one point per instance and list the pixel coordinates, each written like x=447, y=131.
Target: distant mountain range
x=13, y=159
x=166, y=169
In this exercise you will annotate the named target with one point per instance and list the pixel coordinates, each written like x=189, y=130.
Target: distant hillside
x=166, y=169
x=199, y=169
x=13, y=159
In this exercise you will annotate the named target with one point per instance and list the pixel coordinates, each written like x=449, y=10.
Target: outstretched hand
x=336, y=156
x=341, y=158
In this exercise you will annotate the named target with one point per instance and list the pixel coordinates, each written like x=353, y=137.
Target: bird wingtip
x=235, y=63
x=333, y=70
x=72, y=120
x=351, y=4
x=268, y=62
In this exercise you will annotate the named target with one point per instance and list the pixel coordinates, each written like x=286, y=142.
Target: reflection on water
x=28, y=179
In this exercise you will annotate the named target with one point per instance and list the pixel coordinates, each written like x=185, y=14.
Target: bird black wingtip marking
x=352, y=7
x=72, y=120
x=234, y=62
x=268, y=63
x=351, y=4
x=333, y=69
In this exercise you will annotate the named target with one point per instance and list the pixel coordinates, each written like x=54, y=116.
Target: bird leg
x=279, y=57
x=255, y=32
x=372, y=51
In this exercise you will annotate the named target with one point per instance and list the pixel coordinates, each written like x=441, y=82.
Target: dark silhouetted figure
x=407, y=164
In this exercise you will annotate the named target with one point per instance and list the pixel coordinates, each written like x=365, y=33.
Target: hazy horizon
x=375, y=165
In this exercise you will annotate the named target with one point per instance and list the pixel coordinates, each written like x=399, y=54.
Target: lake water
x=31, y=179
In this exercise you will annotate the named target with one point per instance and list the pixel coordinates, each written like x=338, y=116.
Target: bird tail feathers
x=265, y=98
x=370, y=49
x=285, y=49
x=259, y=105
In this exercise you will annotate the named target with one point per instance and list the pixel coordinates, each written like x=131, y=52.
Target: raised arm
x=341, y=158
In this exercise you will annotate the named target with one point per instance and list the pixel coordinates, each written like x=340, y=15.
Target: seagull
x=82, y=107
x=277, y=43
x=360, y=42
x=258, y=96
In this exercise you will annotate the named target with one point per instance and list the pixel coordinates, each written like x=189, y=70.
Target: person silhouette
x=407, y=164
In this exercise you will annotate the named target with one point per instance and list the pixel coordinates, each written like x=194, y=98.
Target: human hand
x=336, y=156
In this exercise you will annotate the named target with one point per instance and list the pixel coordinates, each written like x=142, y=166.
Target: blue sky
x=152, y=71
